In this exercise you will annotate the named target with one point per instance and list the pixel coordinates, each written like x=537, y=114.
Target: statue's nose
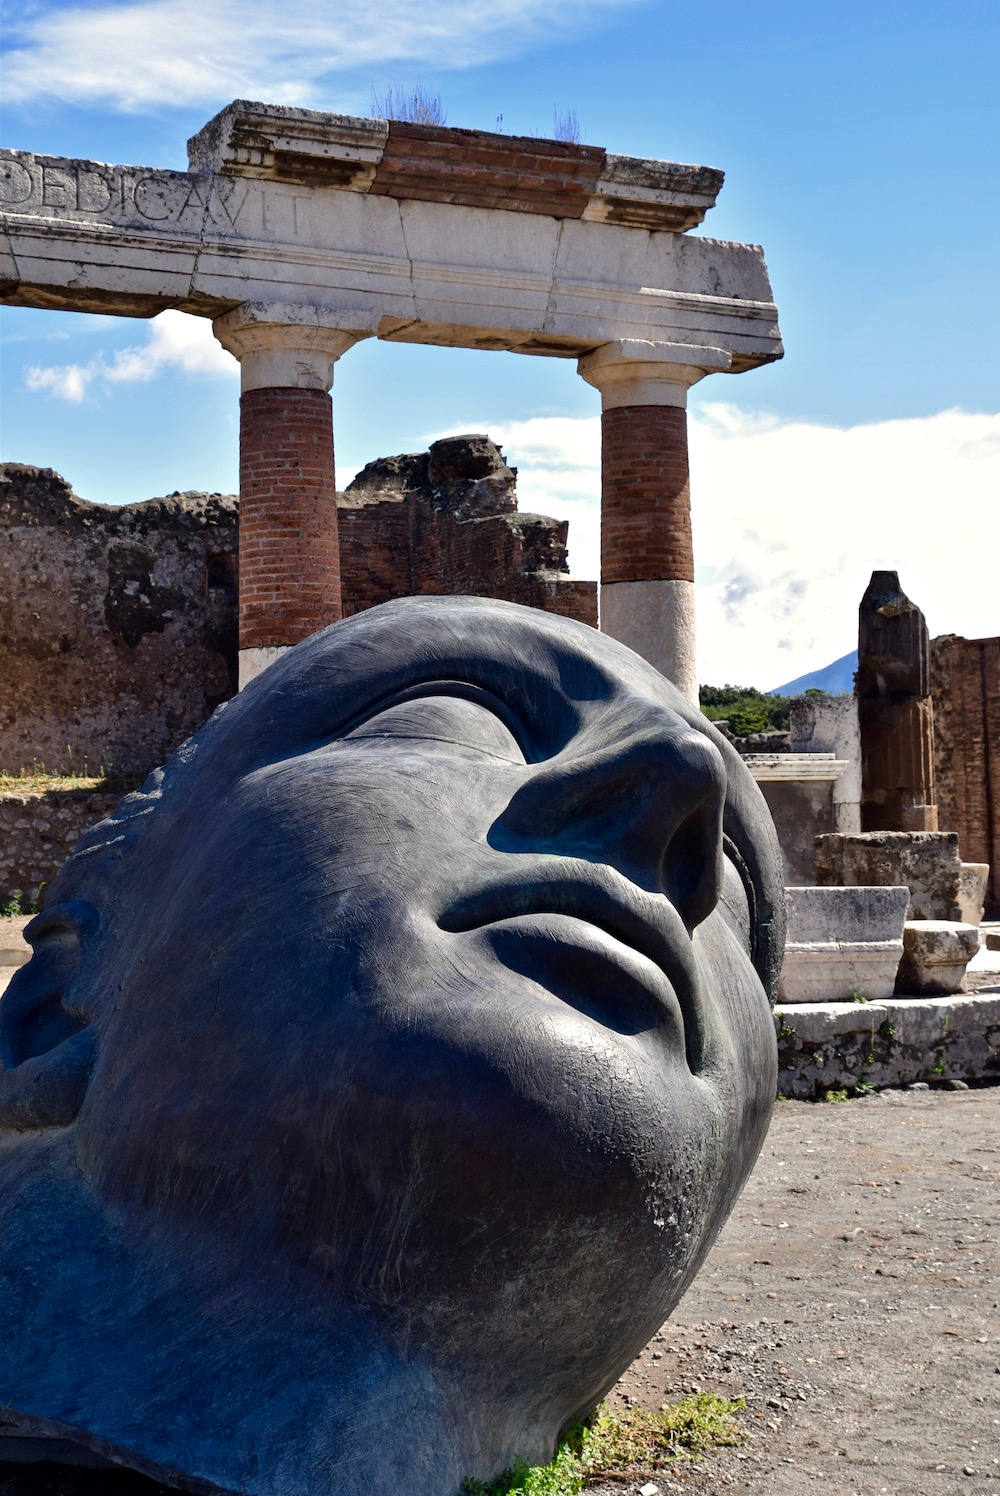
x=646, y=798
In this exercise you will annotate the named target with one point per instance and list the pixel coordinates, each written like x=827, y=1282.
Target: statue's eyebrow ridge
x=467, y=690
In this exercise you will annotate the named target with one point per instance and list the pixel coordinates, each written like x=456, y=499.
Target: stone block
x=927, y=862
x=973, y=878
x=842, y=942
x=935, y=955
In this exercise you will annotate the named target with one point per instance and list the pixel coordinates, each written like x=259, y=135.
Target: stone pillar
x=829, y=724
x=647, y=561
x=289, y=553
x=895, y=711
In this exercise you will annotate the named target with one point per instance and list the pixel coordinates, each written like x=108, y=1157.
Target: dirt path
x=853, y=1300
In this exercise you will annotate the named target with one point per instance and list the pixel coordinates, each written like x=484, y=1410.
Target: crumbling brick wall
x=446, y=521
x=965, y=687
x=117, y=624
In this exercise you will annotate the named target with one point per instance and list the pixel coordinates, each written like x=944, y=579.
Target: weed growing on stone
x=619, y=1445
x=12, y=908
x=566, y=126
x=837, y=1095
x=417, y=108
x=17, y=904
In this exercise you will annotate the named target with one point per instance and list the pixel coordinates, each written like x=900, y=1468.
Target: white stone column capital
x=631, y=371
x=287, y=345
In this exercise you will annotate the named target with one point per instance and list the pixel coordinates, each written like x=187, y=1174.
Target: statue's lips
x=589, y=917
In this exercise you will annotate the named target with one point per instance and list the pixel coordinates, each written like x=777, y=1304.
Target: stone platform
x=897, y=1041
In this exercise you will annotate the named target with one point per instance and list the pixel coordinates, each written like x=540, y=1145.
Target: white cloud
x=187, y=52
x=791, y=518
x=175, y=341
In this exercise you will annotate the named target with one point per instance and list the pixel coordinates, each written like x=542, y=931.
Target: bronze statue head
x=386, y=1066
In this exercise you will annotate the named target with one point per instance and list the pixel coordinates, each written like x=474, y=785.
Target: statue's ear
x=47, y=1044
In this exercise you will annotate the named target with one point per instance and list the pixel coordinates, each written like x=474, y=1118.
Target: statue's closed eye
x=462, y=724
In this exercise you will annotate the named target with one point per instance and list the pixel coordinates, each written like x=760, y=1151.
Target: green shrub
x=745, y=708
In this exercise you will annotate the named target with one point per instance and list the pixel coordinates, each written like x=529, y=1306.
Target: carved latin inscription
x=41, y=187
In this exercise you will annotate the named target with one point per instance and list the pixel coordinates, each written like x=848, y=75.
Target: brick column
x=647, y=561
x=289, y=548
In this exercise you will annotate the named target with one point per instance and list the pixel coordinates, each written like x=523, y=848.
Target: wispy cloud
x=791, y=518
x=175, y=341
x=155, y=53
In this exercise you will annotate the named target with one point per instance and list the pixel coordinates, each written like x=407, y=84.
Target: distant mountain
x=835, y=678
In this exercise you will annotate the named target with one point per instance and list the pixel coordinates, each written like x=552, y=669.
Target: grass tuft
x=638, y=1442
x=38, y=779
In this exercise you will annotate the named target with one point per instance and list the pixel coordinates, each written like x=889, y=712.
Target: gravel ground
x=852, y=1299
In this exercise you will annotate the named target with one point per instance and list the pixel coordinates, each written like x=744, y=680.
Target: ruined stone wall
x=117, y=624
x=38, y=831
x=446, y=521
x=965, y=687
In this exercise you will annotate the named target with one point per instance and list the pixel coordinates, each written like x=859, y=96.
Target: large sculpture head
x=386, y=1066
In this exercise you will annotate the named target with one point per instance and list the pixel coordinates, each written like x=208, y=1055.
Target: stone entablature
x=284, y=207
x=300, y=233
x=474, y=168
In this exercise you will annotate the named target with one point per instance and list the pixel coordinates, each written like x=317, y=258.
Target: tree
x=746, y=709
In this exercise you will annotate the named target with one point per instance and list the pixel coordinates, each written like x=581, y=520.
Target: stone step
x=824, y=1047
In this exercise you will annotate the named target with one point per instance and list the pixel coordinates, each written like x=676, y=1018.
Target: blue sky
x=860, y=143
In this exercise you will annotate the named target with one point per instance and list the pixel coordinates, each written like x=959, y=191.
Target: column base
x=657, y=620
x=253, y=661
